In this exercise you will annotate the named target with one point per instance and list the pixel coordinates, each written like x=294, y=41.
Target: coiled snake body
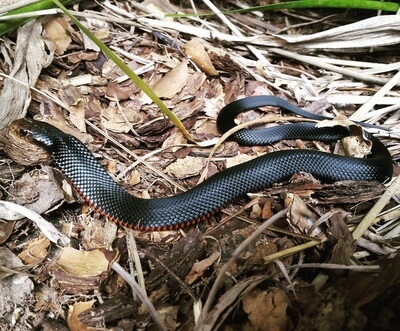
x=97, y=187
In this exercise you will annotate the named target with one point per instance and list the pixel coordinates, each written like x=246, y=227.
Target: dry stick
x=174, y=276
x=236, y=32
x=334, y=266
x=293, y=250
x=134, y=256
x=376, y=209
x=239, y=250
x=140, y=293
x=365, y=108
x=315, y=61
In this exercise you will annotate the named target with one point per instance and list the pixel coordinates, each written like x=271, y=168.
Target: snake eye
x=24, y=132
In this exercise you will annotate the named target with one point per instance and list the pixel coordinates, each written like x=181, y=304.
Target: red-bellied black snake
x=97, y=187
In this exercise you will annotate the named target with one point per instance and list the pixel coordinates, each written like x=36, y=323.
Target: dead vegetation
x=300, y=255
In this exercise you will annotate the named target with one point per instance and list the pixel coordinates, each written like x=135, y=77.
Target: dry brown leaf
x=356, y=146
x=77, y=106
x=238, y=159
x=229, y=300
x=10, y=264
x=339, y=120
x=112, y=119
x=301, y=218
x=134, y=177
x=80, y=272
x=200, y=267
x=255, y=211
x=267, y=210
x=15, y=290
x=56, y=31
x=73, y=321
x=37, y=191
x=6, y=228
x=173, y=82
x=35, y=251
x=195, y=49
x=186, y=167
x=83, y=263
x=120, y=91
x=176, y=138
x=267, y=310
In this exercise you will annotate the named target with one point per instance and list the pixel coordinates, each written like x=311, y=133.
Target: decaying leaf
x=83, y=263
x=113, y=119
x=56, y=31
x=35, y=251
x=173, y=82
x=16, y=288
x=6, y=228
x=195, y=49
x=81, y=271
x=240, y=158
x=301, y=217
x=38, y=191
x=30, y=58
x=73, y=321
x=186, y=167
x=200, y=267
x=267, y=310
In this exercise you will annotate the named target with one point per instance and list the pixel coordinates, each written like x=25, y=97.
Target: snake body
x=97, y=187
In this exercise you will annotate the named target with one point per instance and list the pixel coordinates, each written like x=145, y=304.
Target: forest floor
x=327, y=257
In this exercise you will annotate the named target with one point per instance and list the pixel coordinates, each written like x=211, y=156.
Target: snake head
x=40, y=133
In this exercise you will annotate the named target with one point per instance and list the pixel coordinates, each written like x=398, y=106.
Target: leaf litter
x=301, y=270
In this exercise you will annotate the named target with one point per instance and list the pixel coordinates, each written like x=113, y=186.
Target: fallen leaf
x=173, y=82
x=356, y=146
x=267, y=310
x=200, y=267
x=6, y=228
x=301, y=218
x=35, y=251
x=112, y=119
x=195, y=49
x=238, y=159
x=74, y=322
x=56, y=31
x=83, y=263
x=186, y=167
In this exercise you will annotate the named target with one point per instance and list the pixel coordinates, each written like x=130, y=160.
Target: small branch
x=140, y=293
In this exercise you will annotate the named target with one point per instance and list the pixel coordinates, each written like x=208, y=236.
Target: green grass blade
x=354, y=4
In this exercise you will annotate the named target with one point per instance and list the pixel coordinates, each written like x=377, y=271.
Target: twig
x=322, y=64
x=140, y=293
x=376, y=209
x=239, y=250
x=365, y=108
